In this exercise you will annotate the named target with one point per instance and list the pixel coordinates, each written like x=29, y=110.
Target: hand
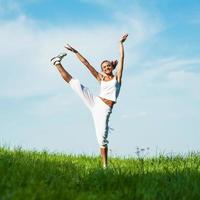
x=124, y=37
x=71, y=48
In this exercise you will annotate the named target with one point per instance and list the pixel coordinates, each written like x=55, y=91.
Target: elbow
x=85, y=62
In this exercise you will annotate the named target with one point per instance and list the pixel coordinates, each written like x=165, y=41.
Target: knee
x=66, y=78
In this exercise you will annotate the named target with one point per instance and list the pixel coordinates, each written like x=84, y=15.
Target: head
x=108, y=66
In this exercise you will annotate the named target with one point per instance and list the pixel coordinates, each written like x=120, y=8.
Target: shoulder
x=100, y=77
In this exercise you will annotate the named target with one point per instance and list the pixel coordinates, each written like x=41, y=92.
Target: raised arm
x=93, y=71
x=121, y=60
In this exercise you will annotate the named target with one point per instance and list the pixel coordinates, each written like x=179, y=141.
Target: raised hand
x=124, y=37
x=70, y=48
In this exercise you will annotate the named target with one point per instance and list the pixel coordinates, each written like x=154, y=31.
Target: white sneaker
x=57, y=59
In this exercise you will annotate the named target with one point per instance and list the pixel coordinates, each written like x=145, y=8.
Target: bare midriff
x=108, y=102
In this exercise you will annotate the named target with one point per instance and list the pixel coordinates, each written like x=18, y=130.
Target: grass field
x=41, y=175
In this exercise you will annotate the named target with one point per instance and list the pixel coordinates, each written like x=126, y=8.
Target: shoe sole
x=52, y=58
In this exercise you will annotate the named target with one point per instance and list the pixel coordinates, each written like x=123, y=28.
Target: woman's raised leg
x=56, y=61
x=66, y=76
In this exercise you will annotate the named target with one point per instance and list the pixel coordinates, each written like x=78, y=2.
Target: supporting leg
x=66, y=76
x=104, y=156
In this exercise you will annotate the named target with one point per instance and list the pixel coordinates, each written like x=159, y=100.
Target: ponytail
x=114, y=63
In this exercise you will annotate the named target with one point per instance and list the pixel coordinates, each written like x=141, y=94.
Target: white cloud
x=143, y=25
x=26, y=49
x=148, y=96
x=164, y=87
x=50, y=106
x=160, y=70
x=187, y=82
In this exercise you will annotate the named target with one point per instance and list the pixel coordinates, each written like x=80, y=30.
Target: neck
x=109, y=75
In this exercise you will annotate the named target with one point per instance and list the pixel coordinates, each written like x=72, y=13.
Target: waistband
x=98, y=99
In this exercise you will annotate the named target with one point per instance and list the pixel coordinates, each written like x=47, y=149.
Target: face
x=107, y=68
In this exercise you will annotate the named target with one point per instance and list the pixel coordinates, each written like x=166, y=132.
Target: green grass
x=41, y=175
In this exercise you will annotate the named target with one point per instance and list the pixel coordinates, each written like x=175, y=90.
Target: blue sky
x=159, y=103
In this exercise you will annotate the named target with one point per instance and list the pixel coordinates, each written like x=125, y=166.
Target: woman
x=100, y=106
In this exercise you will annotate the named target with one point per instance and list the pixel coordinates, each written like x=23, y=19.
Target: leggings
x=100, y=111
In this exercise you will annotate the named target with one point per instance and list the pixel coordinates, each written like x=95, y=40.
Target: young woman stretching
x=100, y=106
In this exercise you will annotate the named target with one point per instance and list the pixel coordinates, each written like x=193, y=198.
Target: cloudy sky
x=159, y=103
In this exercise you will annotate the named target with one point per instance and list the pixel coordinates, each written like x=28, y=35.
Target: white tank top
x=110, y=89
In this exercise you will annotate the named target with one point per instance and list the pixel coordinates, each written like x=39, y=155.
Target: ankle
x=57, y=63
x=105, y=166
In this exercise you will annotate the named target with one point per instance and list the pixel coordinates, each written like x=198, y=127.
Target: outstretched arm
x=121, y=60
x=85, y=62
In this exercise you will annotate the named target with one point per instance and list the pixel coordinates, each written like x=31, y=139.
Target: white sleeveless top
x=110, y=89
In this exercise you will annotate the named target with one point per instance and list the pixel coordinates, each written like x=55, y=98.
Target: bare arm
x=93, y=71
x=121, y=60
